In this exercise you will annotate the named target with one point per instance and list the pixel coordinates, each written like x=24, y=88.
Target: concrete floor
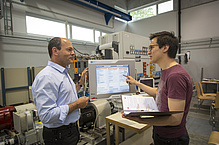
x=199, y=124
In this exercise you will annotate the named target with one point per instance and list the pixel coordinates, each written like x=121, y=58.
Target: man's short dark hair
x=167, y=38
x=54, y=42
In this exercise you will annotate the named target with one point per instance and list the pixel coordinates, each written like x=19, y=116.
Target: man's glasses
x=152, y=46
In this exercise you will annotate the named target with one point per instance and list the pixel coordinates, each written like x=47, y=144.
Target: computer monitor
x=106, y=77
x=146, y=81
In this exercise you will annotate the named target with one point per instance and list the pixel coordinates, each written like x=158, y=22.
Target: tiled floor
x=199, y=124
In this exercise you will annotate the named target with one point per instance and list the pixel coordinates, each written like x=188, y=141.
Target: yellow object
x=138, y=95
x=206, y=94
x=76, y=66
x=201, y=98
x=214, y=138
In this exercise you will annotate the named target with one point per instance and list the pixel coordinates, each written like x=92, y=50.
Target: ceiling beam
x=107, y=10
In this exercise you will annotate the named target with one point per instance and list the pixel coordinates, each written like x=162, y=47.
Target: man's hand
x=82, y=80
x=130, y=80
x=82, y=102
x=137, y=119
x=123, y=114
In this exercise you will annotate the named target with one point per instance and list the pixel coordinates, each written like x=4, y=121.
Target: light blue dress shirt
x=53, y=89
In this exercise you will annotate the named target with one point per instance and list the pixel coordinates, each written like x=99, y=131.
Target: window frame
x=149, y=5
x=68, y=28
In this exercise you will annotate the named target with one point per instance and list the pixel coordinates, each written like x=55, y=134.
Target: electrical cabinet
x=132, y=46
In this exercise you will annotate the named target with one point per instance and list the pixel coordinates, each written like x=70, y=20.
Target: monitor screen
x=146, y=81
x=106, y=77
x=110, y=79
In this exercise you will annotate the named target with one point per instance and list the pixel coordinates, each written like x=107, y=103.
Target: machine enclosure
x=6, y=117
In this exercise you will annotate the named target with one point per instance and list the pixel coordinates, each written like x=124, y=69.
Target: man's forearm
x=73, y=106
x=149, y=90
x=172, y=120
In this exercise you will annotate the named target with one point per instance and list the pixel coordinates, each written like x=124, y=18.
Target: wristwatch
x=79, y=84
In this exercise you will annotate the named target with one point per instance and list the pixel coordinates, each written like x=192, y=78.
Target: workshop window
x=144, y=13
x=45, y=27
x=165, y=7
x=80, y=33
x=152, y=10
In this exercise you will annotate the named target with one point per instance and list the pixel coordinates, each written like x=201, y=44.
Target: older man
x=55, y=95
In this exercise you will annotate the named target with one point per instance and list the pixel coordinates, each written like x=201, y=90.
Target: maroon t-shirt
x=175, y=83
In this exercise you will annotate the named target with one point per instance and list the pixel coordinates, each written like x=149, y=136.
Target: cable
x=81, y=52
x=95, y=121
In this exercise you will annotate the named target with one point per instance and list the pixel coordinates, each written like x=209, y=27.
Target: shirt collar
x=57, y=66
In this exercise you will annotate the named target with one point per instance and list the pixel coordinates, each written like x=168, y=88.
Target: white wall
x=21, y=53
x=197, y=23
x=154, y=24
x=200, y=22
x=22, y=50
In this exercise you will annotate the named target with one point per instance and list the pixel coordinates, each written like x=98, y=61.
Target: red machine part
x=6, y=117
x=145, y=69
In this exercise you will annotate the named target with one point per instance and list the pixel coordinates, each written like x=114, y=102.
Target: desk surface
x=210, y=82
x=117, y=119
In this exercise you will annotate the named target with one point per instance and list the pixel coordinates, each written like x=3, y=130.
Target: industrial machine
x=92, y=121
x=21, y=124
x=25, y=129
x=126, y=53
x=125, y=45
x=6, y=117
